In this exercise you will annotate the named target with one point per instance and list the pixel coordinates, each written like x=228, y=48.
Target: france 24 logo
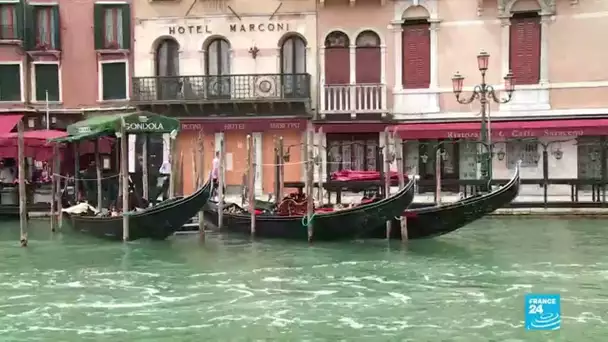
x=542, y=311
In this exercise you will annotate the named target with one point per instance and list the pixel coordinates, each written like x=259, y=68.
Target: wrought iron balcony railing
x=221, y=88
x=353, y=98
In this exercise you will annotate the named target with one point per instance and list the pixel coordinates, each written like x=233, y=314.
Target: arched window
x=337, y=58
x=217, y=61
x=217, y=68
x=368, y=58
x=293, y=56
x=167, y=58
x=293, y=67
x=167, y=65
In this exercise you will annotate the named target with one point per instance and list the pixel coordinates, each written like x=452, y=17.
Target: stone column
x=398, y=55
x=544, y=49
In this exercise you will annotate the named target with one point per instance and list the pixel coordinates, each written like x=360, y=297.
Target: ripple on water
x=465, y=287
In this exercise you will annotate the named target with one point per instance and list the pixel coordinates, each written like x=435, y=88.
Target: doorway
x=449, y=163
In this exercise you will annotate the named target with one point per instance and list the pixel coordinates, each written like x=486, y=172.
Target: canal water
x=468, y=286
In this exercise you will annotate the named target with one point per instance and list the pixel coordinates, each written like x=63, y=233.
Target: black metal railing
x=226, y=88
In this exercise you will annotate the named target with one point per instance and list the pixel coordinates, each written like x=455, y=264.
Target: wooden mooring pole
x=200, y=178
x=98, y=173
x=22, y=192
x=438, y=176
x=320, y=151
x=310, y=174
x=400, y=170
x=387, y=176
x=220, y=188
x=54, y=185
x=174, y=169
x=251, y=180
x=124, y=175
x=145, y=180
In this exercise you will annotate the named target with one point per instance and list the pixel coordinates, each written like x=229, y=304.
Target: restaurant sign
x=513, y=133
x=245, y=126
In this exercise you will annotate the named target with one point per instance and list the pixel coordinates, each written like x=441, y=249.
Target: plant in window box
x=112, y=46
x=43, y=46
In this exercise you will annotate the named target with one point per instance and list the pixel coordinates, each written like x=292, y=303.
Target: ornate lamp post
x=484, y=93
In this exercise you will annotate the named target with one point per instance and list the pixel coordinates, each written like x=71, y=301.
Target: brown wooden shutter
x=524, y=57
x=368, y=65
x=416, y=56
x=337, y=66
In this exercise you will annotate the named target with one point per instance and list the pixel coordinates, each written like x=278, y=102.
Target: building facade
x=548, y=45
x=68, y=67
x=229, y=69
x=556, y=106
x=355, y=82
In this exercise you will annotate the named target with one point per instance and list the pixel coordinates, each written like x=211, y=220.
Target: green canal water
x=468, y=286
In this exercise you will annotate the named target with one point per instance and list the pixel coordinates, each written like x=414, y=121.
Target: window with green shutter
x=47, y=80
x=11, y=21
x=114, y=81
x=112, y=27
x=10, y=82
x=43, y=27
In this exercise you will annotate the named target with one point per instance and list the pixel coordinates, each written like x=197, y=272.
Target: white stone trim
x=432, y=6
x=100, y=64
x=530, y=98
x=361, y=30
x=33, y=81
x=21, y=79
x=474, y=115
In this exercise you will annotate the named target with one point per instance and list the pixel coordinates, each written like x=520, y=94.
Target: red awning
x=505, y=129
x=8, y=122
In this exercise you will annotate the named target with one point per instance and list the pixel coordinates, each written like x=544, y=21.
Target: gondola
x=157, y=223
x=432, y=221
x=344, y=224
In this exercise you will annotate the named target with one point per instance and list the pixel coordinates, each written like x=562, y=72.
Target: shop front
x=350, y=146
x=567, y=143
x=234, y=132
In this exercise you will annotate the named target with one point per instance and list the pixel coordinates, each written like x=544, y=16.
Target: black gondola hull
x=156, y=223
x=346, y=224
x=432, y=221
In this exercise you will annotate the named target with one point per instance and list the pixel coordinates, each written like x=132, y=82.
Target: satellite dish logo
x=542, y=312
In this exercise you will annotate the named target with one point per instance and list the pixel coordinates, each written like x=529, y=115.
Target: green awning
x=135, y=123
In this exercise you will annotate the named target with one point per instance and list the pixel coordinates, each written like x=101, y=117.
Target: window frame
x=34, y=83
x=114, y=8
x=100, y=79
x=50, y=20
x=21, y=81
x=294, y=56
x=522, y=147
x=13, y=25
x=219, y=41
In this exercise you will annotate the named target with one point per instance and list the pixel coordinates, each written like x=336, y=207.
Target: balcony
x=354, y=100
x=226, y=95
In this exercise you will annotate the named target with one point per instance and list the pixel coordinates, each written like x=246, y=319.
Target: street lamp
x=484, y=93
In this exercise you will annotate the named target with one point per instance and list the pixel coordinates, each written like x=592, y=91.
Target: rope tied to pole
x=306, y=222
